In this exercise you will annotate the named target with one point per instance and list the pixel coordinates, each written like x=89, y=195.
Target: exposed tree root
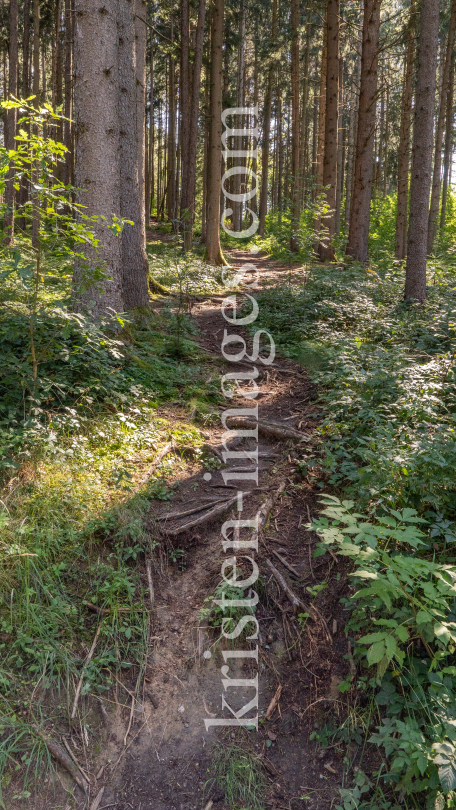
x=268, y=428
x=62, y=757
x=158, y=458
x=205, y=518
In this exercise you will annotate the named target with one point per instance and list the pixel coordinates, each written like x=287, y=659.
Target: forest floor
x=171, y=760
x=152, y=750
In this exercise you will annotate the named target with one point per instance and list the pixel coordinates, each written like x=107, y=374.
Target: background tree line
x=356, y=102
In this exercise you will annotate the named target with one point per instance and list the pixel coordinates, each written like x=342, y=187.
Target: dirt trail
x=168, y=764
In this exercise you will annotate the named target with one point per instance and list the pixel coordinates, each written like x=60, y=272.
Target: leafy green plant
x=418, y=594
x=225, y=619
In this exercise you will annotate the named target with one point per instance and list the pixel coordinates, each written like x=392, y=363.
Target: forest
x=227, y=284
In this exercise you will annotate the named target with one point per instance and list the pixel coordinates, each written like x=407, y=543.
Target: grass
x=238, y=772
x=74, y=534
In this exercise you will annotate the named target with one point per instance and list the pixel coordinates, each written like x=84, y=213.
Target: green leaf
x=447, y=776
x=376, y=652
x=423, y=616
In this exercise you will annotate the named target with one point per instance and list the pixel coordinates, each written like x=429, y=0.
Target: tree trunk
x=340, y=148
x=280, y=154
x=295, y=179
x=386, y=144
x=254, y=161
x=67, y=125
x=140, y=61
x=151, y=131
x=171, y=180
x=184, y=108
x=26, y=51
x=214, y=181
x=415, y=276
x=352, y=131
x=448, y=145
x=131, y=119
x=321, y=122
x=188, y=191
x=239, y=179
x=404, y=145
x=267, y=133
x=23, y=192
x=322, y=111
x=326, y=249
x=97, y=152
x=436, y=179
x=205, y=155
x=37, y=100
x=10, y=121
x=314, y=141
x=358, y=237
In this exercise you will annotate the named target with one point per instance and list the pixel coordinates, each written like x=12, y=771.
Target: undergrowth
x=75, y=450
x=385, y=443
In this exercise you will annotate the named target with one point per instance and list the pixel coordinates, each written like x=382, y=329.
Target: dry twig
x=151, y=584
x=274, y=703
x=158, y=458
x=86, y=664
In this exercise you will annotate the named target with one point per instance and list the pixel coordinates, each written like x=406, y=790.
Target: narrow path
x=169, y=762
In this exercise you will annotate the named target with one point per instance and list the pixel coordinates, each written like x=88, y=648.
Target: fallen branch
x=151, y=584
x=263, y=512
x=274, y=703
x=286, y=564
x=268, y=428
x=86, y=664
x=59, y=754
x=295, y=600
x=158, y=458
x=205, y=518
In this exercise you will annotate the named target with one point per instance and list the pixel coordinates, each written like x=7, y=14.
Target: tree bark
x=267, y=133
x=23, y=192
x=436, y=179
x=140, y=61
x=448, y=145
x=131, y=130
x=184, y=108
x=188, y=191
x=97, y=152
x=214, y=253
x=326, y=249
x=68, y=98
x=321, y=124
x=415, y=276
x=205, y=154
x=171, y=163
x=340, y=149
x=37, y=100
x=26, y=50
x=404, y=145
x=238, y=180
x=295, y=178
x=10, y=121
x=358, y=237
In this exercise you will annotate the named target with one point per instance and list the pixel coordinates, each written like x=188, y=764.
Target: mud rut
x=167, y=764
